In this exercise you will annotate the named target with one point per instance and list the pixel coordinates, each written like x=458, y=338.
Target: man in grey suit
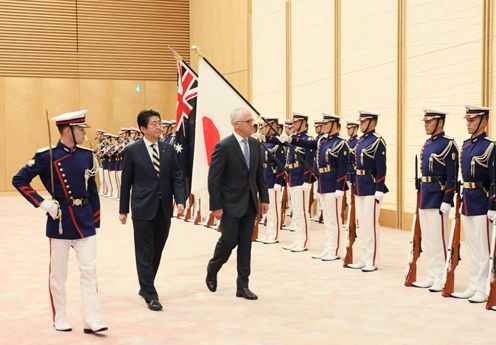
x=152, y=170
x=235, y=177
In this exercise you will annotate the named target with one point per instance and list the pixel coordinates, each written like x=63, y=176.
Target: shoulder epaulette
x=46, y=148
x=377, y=135
x=489, y=138
x=84, y=148
x=448, y=137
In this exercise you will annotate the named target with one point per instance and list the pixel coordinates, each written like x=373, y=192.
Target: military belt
x=472, y=185
x=429, y=179
x=293, y=165
x=73, y=201
x=326, y=169
x=361, y=172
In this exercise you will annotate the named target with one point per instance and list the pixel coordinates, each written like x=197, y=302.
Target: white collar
x=149, y=143
x=239, y=137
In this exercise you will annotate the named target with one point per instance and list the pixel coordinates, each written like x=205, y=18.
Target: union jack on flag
x=187, y=87
x=187, y=90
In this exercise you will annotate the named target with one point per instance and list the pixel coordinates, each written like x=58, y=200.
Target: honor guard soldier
x=369, y=188
x=317, y=125
x=134, y=134
x=352, y=130
x=477, y=168
x=166, y=129
x=73, y=213
x=299, y=162
x=98, y=153
x=439, y=170
x=112, y=157
x=331, y=161
x=273, y=163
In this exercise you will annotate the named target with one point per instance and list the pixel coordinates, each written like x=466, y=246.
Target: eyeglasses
x=247, y=121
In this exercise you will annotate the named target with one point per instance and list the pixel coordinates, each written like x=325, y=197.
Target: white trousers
x=434, y=227
x=300, y=196
x=367, y=213
x=103, y=188
x=273, y=215
x=331, y=208
x=86, y=256
x=108, y=182
x=113, y=183
x=477, y=232
x=118, y=174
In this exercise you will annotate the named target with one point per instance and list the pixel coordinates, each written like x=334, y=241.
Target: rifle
x=191, y=201
x=351, y=230
x=416, y=237
x=453, y=250
x=491, y=280
x=344, y=209
x=284, y=204
x=198, y=213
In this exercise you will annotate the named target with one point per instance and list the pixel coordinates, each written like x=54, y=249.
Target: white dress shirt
x=149, y=148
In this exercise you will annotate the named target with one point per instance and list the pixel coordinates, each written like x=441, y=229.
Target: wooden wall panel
x=125, y=112
x=161, y=96
x=96, y=96
x=3, y=130
x=220, y=29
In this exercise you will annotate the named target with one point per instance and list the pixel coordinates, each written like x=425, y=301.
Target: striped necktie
x=246, y=152
x=155, y=158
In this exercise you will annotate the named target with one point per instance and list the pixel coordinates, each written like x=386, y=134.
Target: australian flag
x=187, y=87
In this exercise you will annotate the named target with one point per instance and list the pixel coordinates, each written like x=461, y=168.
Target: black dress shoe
x=246, y=293
x=211, y=281
x=154, y=305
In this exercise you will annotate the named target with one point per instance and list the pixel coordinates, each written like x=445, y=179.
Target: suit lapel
x=162, y=154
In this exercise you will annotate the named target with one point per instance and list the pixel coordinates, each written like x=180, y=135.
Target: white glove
x=52, y=207
x=338, y=193
x=284, y=139
x=378, y=196
x=445, y=208
x=277, y=187
x=491, y=214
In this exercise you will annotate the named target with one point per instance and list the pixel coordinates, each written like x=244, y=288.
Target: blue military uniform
x=73, y=215
x=369, y=187
x=331, y=161
x=74, y=188
x=477, y=169
x=273, y=156
x=439, y=172
x=299, y=162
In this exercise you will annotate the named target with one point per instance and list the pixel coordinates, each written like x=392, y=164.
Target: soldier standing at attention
x=477, y=168
x=369, y=188
x=439, y=169
x=73, y=214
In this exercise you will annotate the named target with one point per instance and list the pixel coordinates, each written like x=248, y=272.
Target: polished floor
x=301, y=300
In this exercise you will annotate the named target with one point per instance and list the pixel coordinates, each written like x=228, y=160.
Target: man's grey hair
x=237, y=114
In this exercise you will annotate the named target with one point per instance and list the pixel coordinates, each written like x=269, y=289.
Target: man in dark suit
x=152, y=170
x=234, y=178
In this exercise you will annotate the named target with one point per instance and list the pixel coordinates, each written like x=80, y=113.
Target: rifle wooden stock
x=191, y=202
x=254, y=236
x=211, y=220
x=348, y=259
x=411, y=275
x=344, y=210
x=491, y=299
x=453, y=253
x=284, y=204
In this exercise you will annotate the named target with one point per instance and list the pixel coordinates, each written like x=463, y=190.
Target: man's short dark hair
x=144, y=117
x=62, y=127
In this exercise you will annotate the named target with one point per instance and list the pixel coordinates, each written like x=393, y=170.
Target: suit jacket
x=139, y=175
x=230, y=184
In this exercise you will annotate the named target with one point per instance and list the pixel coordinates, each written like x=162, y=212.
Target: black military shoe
x=246, y=293
x=211, y=281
